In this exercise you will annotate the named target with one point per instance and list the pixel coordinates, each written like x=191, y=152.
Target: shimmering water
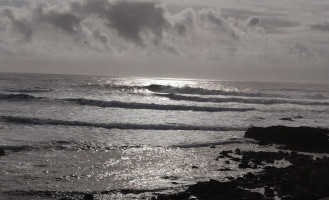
x=93, y=134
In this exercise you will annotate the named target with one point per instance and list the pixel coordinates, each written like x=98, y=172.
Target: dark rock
x=227, y=162
x=287, y=119
x=212, y=147
x=2, y=152
x=244, y=165
x=269, y=192
x=304, y=179
x=178, y=196
x=298, y=117
x=238, y=151
x=195, y=167
x=295, y=138
x=88, y=197
x=221, y=190
x=225, y=169
x=170, y=177
x=220, y=157
x=250, y=176
x=236, y=159
x=226, y=153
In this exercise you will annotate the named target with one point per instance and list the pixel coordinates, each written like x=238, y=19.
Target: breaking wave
x=18, y=97
x=200, y=91
x=127, y=105
x=54, y=122
x=240, y=100
x=33, y=90
x=151, y=106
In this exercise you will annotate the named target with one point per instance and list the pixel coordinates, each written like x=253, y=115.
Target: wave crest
x=199, y=91
x=176, y=97
x=123, y=126
x=17, y=97
x=151, y=106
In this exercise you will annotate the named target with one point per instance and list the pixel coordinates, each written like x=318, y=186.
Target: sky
x=239, y=40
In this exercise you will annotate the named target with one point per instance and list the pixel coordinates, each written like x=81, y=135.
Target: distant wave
x=133, y=105
x=315, y=96
x=127, y=105
x=17, y=97
x=54, y=122
x=18, y=148
x=240, y=100
x=33, y=90
x=200, y=91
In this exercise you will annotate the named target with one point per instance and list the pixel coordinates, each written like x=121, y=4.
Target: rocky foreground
x=306, y=178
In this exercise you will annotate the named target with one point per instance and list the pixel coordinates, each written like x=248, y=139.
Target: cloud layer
x=130, y=30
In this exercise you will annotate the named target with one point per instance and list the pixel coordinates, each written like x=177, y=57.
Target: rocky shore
x=307, y=177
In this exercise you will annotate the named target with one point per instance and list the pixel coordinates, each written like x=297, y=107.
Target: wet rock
x=244, y=165
x=178, y=196
x=227, y=162
x=2, y=152
x=195, y=167
x=287, y=119
x=304, y=179
x=88, y=197
x=298, y=117
x=226, y=153
x=236, y=159
x=294, y=138
x=225, y=169
x=269, y=192
x=170, y=177
x=221, y=190
x=220, y=157
x=237, y=151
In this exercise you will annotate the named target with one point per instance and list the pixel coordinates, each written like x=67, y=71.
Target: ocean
x=131, y=138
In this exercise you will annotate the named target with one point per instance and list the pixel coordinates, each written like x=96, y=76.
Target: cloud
x=129, y=30
x=321, y=26
x=146, y=24
x=254, y=21
x=131, y=18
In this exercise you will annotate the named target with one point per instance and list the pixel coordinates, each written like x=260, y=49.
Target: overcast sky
x=246, y=40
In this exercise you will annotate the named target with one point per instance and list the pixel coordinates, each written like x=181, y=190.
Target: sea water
x=129, y=138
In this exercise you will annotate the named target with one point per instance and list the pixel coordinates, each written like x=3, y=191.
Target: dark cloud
x=221, y=25
x=22, y=26
x=131, y=18
x=274, y=25
x=64, y=21
x=321, y=27
x=303, y=51
x=180, y=29
x=254, y=21
x=238, y=13
x=13, y=3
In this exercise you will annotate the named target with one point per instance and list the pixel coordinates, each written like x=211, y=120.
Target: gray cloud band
x=130, y=19
x=106, y=26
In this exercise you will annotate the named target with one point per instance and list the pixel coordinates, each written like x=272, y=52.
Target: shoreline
x=306, y=178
